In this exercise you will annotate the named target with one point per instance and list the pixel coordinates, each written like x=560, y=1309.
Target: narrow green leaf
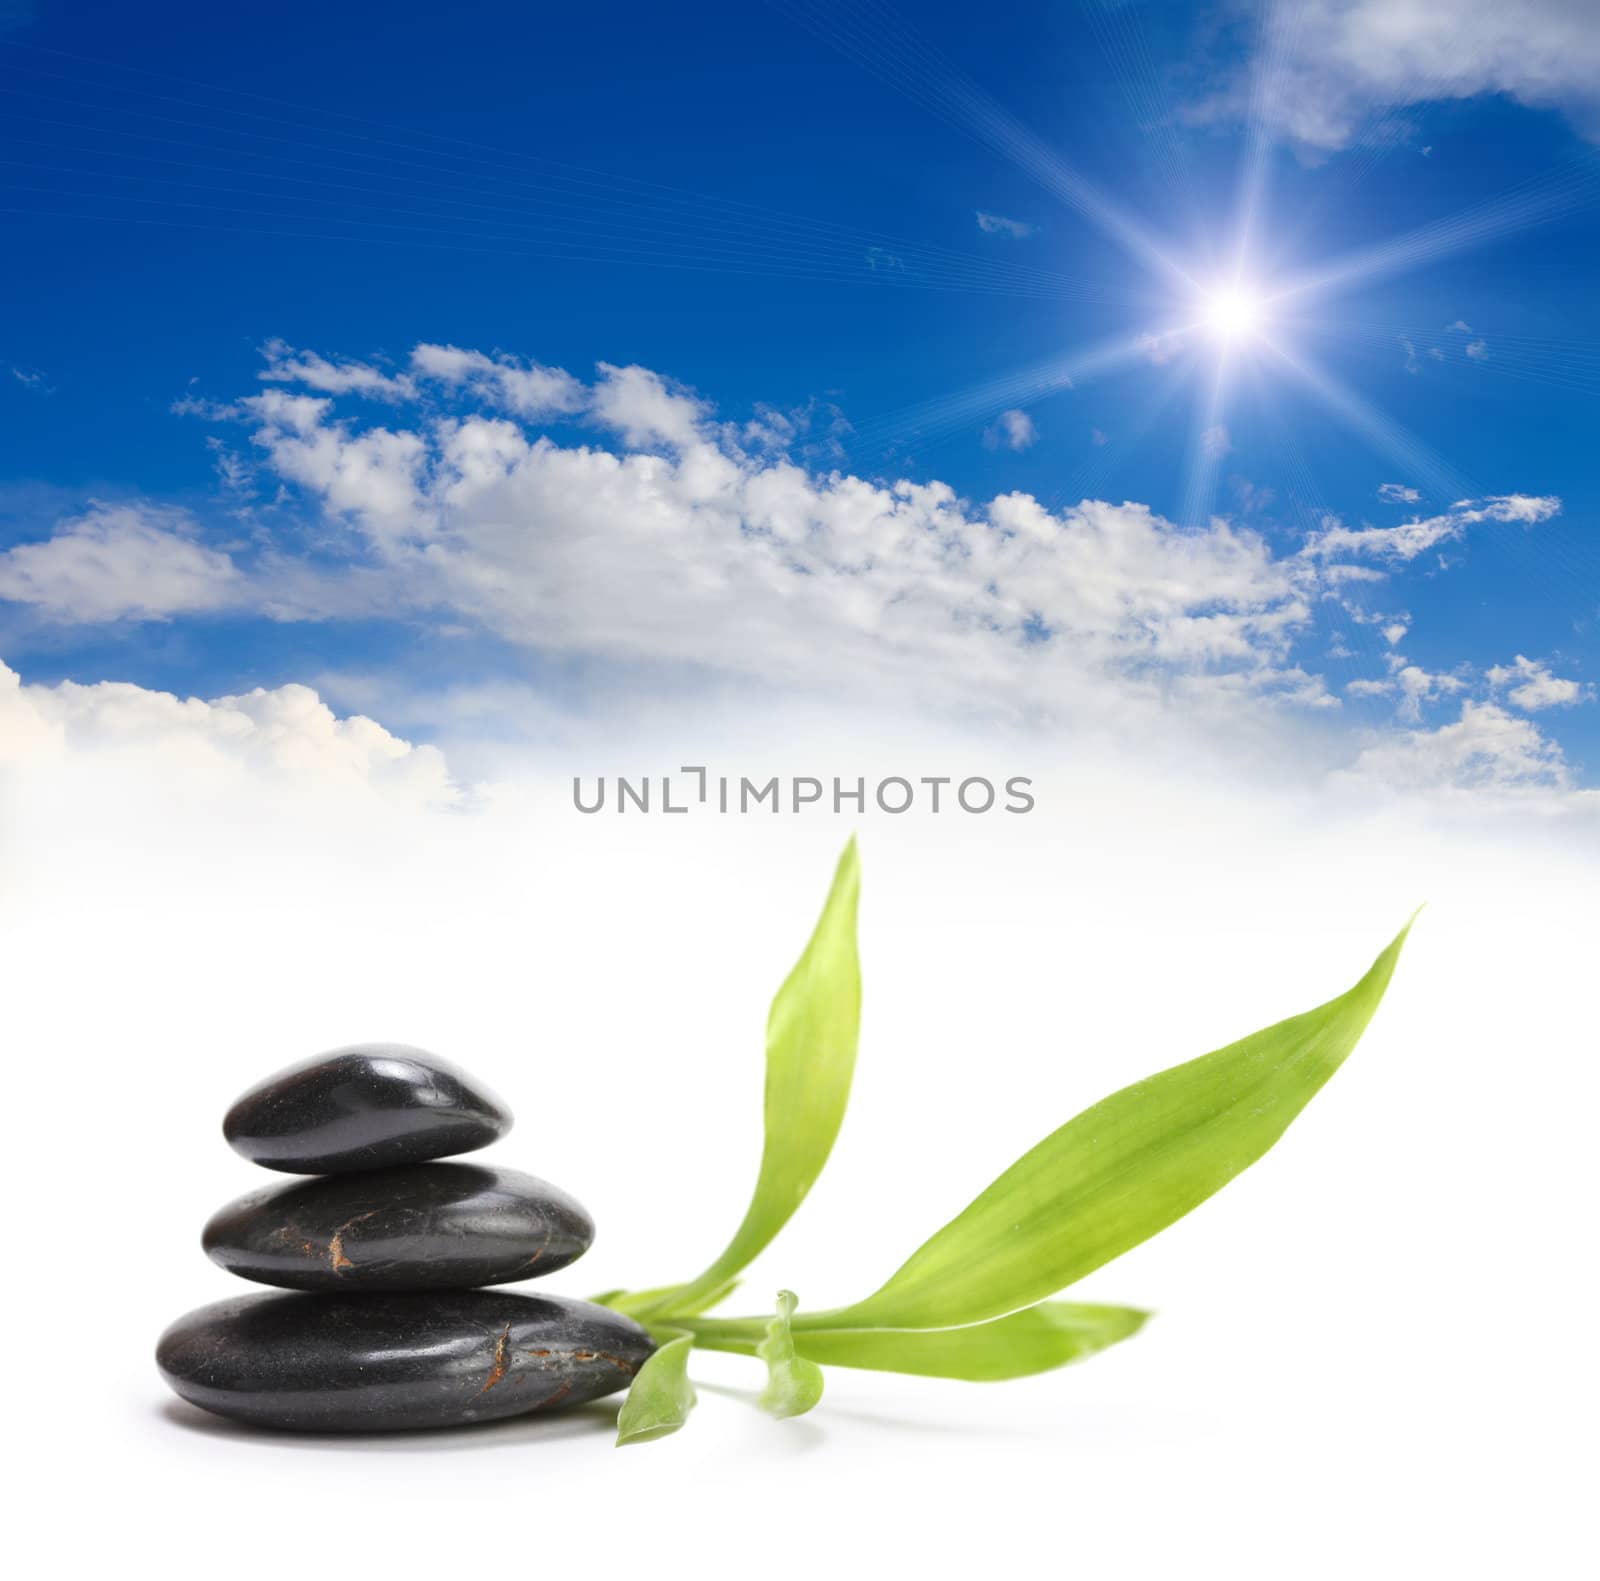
x=1120, y=1172
x=811, y=1057
x=1034, y=1340
x=794, y=1384
x=661, y=1397
x=665, y=1300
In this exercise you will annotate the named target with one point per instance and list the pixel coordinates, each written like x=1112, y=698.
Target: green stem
x=737, y=1335
x=741, y=1335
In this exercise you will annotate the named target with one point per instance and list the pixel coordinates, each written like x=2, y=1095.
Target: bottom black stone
x=374, y=1363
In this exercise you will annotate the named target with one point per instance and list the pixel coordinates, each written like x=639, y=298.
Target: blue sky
x=903, y=238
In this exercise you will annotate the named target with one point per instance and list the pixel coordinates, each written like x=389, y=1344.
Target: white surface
x=1373, y=1352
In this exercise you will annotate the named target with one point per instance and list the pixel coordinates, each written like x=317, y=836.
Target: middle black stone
x=416, y=1227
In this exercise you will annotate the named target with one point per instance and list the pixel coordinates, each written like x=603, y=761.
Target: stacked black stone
x=391, y=1249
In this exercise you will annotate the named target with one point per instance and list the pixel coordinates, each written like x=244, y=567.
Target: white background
x=1373, y=1352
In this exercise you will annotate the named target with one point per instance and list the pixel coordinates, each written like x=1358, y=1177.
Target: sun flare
x=1233, y=313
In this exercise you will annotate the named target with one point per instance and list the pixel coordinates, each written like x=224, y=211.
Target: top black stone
x=368, y=1106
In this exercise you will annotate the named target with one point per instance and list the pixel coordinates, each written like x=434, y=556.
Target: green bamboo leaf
x=811, y=1057
x=1120, y=1172
x=661, y=1397
x=794, y=1384
x=666, y=1298
x=1037, y=1339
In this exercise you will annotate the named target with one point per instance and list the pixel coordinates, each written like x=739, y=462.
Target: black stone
x=364, y=1107
x=375, y=1363
x=418, y=1227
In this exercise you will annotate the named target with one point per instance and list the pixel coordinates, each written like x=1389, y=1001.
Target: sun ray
x=1536, y=202
x=980, y=402
x=1534, y=359
x=1382, y=432
x=1107, y=457
x=1559, y=566
x=1278, y=28
x=1120, y=30
x=882, y=42
x=1375, y=142
x=1207, y=446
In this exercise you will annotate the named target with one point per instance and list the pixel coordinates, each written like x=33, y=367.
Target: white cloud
x=1013, y=430
x=999, y=225
x=1418, y=686
x=1532, y=686
x=232, y=470
x=120, y=562
x=1526, y=683
x=1398, y=494
x=1485, y=749
x=1254, y=498
x=1160, y=348
x=286, y=734
x=646, y=409
x=1342, y=62
x=816, y=429
x=716, y=555
x=1478, y=350
x=1407, y=541
x=1337, y=575
x=1215, y=442
x=1527, y=509
x=1413, y=685
x=26, y=735
x=700, y=547
x=285, y=365
x=375, y=475
x=528, y=389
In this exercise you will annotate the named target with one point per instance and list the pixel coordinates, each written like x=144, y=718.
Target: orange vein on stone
x=336, y=1257
x=498, y=1370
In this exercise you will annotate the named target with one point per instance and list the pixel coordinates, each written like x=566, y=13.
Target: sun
x=1233, y=312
